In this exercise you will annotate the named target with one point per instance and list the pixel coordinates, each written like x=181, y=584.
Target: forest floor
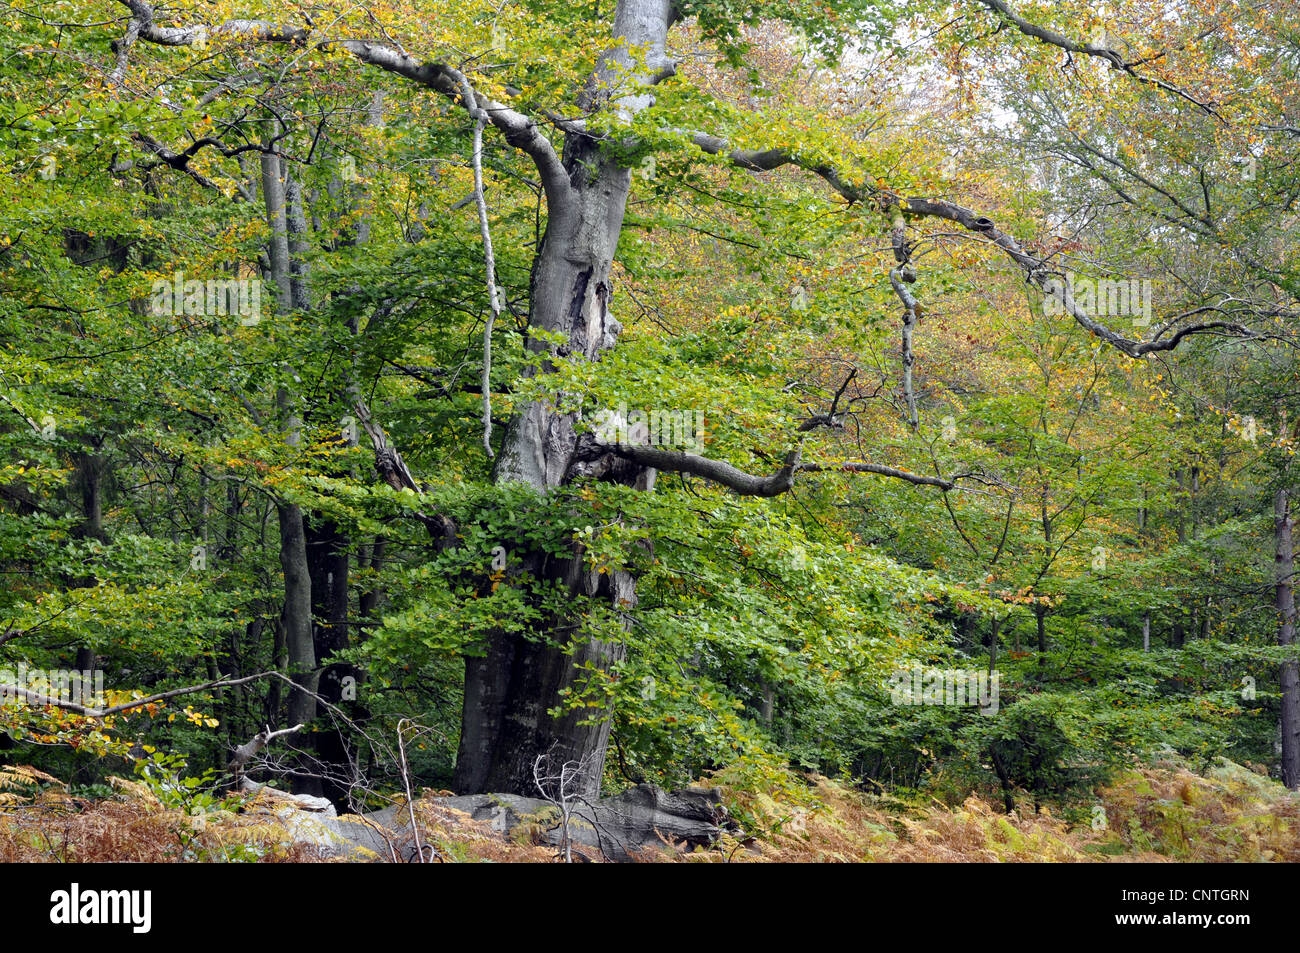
x=1160, y=813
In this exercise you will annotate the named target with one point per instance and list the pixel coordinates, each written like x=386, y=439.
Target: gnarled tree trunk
x=509, y=690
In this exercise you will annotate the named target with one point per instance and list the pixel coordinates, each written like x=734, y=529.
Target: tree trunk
x=1178, y=637
x=297, y=613
x=328, y=564
x=1289, y=675
x=1040, y=623
x=89, y=478
x=509, y=690
x=296, y=616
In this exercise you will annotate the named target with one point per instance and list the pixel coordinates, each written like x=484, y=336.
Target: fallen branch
x=246, y=752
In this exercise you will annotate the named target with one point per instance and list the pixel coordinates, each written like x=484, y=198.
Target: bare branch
x=36, y=698
x=853, y=466
x=489, y=259
x=519, y=130
x=246, y=752
x=742, y=483
x=909, y=326
x=747, y=484
x=1110, y=56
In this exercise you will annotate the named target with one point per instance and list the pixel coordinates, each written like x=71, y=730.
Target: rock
x=307, y=820
x=378, y=833
x=642, y=818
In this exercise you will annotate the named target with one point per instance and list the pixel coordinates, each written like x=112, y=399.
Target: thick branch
x=1042, y=275
x=1038, y=271
x=747, y=484
x=394, y=471
x=765, y=160
x=1110, y=56
x=519, y=130
x=260, y=30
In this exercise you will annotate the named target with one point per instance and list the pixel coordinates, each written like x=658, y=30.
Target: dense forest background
x=643, y=387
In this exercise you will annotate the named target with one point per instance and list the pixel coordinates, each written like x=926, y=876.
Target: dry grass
x=1155, y=814
x=844, y=825
x=458, y=837
x=133, y=827
x=1232, y=814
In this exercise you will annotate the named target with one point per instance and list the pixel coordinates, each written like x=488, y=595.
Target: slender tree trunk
x=89, y=480
x=1146, y=616
x=296, y=618
x=328, y=563
x=1178, y=637
x=1289, y=675
x=768, y=704
x=280, y=661
x=1008, y=797
x=1040, y=609
x=1040, y=623
x=277, y=222
x=297, y=612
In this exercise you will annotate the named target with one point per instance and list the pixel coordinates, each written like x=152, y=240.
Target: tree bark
x=1289, y=675
x=296, y=617
x=328, y=564
x=511, y=688
x=510, y=691
x=1178, y=637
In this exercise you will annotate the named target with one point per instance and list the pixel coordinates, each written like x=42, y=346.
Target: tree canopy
x=671, y=389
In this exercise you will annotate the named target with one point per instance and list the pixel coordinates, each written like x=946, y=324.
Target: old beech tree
x=581, y=156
